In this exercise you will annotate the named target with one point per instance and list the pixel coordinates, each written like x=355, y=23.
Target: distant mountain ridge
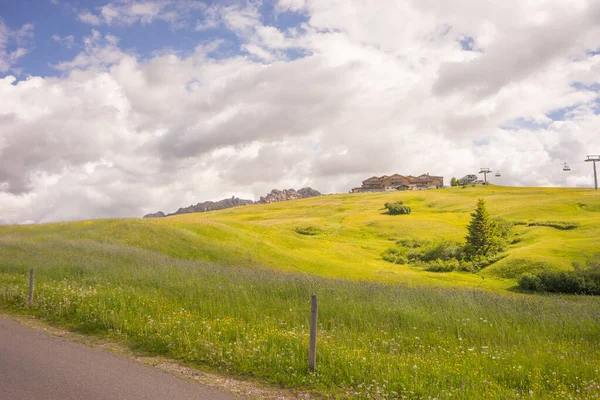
x=273, y=197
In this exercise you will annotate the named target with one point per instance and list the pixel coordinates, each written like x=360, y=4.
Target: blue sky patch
x=59, y=32
x=467, y=43
x=522, y=124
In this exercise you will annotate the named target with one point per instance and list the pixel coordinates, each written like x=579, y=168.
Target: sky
x=118, y=108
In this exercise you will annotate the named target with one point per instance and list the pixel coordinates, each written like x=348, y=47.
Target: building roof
x=371, y=179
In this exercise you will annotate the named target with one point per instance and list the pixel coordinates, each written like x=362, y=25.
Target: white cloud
x=89, y=18
x=128, y=12
x=211, y=19
x=99, y=51
x=14, y=44
x=66, y=41
x=381, y=88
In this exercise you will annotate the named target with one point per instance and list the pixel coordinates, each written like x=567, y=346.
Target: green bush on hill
x=562, y=225
x=444, y=251
x=437, y=257
x=308, y=230
x=396, y=256
x=412, y=243
x=583, y=280
x=439, y=265
x=397, y=207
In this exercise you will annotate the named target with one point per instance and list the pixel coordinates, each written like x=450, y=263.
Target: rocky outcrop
x=159, y=214
x=288, y=194
x=211, y=205
x=273, y=197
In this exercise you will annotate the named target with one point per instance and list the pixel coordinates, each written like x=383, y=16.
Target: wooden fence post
x=312, y=356
x=31, y=286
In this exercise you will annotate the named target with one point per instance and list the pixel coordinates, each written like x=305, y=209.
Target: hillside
x=229, y=291
x=354, y=230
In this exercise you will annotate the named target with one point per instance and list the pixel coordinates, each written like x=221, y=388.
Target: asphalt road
x=35, y=365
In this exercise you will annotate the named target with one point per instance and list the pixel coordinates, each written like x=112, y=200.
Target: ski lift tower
x=594, y=159
x=485, y=171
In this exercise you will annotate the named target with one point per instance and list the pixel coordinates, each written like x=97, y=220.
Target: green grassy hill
x=229, y=291
x=354, y=230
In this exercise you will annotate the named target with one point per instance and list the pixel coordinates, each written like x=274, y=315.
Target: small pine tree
x=483, y=239
x=453, y=182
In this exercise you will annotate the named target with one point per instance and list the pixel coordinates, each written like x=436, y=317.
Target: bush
x=562, y=225
x=396, y=256
x=531, y=282
x=412, y=243
x=397, y=207
x=442, y=265
x=444, y=251
x=308, y=230
x=503, y=227
x=580, y=281
x=436, y=257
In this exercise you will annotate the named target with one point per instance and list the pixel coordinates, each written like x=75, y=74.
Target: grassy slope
x=356, y=230
x=146, y=282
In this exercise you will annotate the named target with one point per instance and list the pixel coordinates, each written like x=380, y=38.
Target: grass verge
x=375, y=340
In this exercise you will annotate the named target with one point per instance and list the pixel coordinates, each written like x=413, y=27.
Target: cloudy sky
x=117, y=108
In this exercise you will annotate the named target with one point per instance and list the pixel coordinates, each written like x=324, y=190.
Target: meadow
x=230, y=291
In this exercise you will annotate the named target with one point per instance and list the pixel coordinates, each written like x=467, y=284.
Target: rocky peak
x=273, y=197
x=159, y=214
x=288, y=194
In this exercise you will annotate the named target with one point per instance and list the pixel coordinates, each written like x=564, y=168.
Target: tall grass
x=375, y=340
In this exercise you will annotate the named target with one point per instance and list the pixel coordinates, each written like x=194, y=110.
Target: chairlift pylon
x=566, y=168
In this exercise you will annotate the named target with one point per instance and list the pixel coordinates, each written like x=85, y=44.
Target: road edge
x=249, y=389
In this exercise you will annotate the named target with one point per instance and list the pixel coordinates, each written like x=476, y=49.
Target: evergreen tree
x=453, y=182
x=484, y=238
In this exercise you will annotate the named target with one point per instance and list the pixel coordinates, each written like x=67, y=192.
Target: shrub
x=308, y=230
x=442, y=265
x=503, y=227
x=580, y=281
x=397, y=207
x=396, y=256
x=444, y=251
x=531, y=282
x=412, y=243
x=562, y=225
x=436, y=257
